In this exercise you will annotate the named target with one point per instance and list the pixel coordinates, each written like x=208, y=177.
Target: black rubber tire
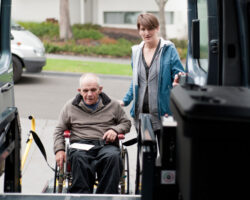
x=55, y=179
x=126, y=171
x=17, y=69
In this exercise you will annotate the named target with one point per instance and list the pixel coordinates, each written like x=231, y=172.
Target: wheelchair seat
x=63, y=176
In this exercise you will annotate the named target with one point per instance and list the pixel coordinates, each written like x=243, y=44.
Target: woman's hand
x=177, y=78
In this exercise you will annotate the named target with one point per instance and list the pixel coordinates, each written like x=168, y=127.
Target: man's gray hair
x=89, y=75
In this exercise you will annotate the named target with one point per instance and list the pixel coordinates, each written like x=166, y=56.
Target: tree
x=65, y=28
x=161, y=4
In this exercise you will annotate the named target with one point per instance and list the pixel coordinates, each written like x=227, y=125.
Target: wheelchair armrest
x=121, y=136
x=66, y=134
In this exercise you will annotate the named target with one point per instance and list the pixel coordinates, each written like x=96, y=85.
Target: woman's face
x=148, y=35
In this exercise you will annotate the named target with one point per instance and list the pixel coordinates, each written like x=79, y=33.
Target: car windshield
x=16, y=26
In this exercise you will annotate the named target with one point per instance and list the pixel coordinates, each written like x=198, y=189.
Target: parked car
x=27, y=50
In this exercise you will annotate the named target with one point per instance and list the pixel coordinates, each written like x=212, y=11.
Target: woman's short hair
x=147, y=20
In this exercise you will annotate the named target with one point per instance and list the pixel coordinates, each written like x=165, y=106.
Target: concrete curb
x=89, y=58
x=74, y=74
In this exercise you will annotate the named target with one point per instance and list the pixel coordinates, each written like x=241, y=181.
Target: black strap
x=40, y=146
x=130, y=142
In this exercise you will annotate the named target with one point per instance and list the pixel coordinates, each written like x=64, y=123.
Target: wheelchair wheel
x=124, y=183
x=138, y=177
x=55, y=178
x=58, y=180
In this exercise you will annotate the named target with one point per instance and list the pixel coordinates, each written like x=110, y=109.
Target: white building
x=108, y=13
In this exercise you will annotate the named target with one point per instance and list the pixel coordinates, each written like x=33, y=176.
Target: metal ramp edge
x=21, y=196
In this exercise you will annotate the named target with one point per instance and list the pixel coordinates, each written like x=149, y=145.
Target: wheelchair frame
x=63, y=177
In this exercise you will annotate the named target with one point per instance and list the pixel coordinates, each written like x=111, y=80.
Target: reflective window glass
x=120, y=17
x=130, y=17
x=113, y=18
x=0, y=34
x=203, y=17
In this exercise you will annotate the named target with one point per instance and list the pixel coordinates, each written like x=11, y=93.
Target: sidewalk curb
x=75, y=74
x=90, y=58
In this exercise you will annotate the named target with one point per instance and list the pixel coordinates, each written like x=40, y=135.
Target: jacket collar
x=163, y=43
x=105, y=99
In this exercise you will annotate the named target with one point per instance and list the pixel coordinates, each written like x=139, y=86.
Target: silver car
x=27, y=52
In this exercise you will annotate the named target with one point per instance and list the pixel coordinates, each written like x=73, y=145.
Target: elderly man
x=93, y=119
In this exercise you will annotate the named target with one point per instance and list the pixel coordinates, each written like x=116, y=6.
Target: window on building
x=169, y=17
x=120, y=17
x=131, y=17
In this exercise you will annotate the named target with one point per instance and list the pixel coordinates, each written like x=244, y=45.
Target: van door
x=202, y=59
x=6, y=83
x=219, y=43
x=10, y=133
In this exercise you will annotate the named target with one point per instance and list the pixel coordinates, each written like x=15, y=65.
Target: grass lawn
x=85, y=66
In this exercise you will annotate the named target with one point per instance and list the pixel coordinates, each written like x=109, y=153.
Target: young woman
x=156, y=64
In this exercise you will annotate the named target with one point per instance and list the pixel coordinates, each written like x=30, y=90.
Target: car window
x=202, y=15
x=16, y=26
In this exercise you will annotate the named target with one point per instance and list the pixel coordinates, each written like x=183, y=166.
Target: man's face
x=90, y=91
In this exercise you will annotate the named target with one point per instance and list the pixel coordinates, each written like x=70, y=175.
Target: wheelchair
x=63, y=177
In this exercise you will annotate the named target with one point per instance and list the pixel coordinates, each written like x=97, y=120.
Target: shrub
x=92, y=41
x=87, y=26
x=181, y=46
x=42, y=30
x=86, y=33
x=182, y=53
x=51, y=48
x=121, y=49
x=180, y=43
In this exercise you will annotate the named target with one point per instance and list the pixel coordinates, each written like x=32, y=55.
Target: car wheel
x=17, y=69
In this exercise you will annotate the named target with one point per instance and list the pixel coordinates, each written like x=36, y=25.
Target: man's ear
x=100, y=89
x=79, y=90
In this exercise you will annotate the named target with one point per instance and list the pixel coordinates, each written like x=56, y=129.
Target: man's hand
x=121, y=102
x=110, y=136
x=60, y=158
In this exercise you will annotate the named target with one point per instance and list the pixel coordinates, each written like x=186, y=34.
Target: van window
x=202, y=15
x=0, y=34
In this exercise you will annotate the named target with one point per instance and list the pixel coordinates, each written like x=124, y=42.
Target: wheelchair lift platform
x=18, y=196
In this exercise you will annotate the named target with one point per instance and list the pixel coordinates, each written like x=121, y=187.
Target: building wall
x=75, y=10
x=39, y=11
x=34, y=10
x=92, y=11
x=179, y=7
